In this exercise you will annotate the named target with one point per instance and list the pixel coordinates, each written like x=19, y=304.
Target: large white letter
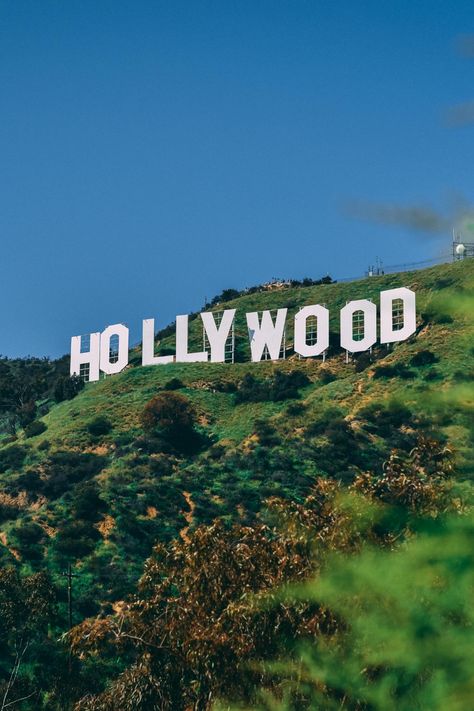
x=369, y=311
x=406, y=314
x=266, y=334
x=218, y=336
x=148, y=345
x=106, y=365
x=322, y=342
x=90, y=357
x=182, y=355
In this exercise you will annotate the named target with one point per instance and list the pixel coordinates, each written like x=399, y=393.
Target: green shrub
x=30, y=482
x=8, y=510
x=12, y=457
x=86, y=502
x=76, y=539
x=326, y=376
x=63, y=469
x=252, y=390
x=66, y=388
x=432, y=374
x=174, y=384
x=286, y=385
x=266, y=433
x=35, y=428
x=397, y=370
x=423, y=357
x=99, y=426
x=295, y=409
x=28, y=533
x=433, y=315
x=283, y=386
x=324, y=419
x=362, y=361
x=382, y=418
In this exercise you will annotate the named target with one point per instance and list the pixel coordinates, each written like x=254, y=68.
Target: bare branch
x=17, y=701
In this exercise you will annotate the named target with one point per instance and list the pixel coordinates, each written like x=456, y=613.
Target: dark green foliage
x=8, y=510
x=386, y=419
x=397, y=370
x=12, y=457
x=86, y=501
x=252, y=390
x=287, y=385
x=75, y=539
x=266, y=433
x=324, y=420
x=307, y=281
x=64, y=469
x=99, y=426
x=382, y=417
x=28, y=538
x=123, y=440
x=225, y=386
x=432, y=374
x=27, y=609
x=282, y=386
x=225, y=295
x=342, y=454
x=433, y=315
x=161, y=464
x=295, y=409
x=362, y=361
x=26, y=413
x=174, y=384
x=325, y=376
x=464, y=376
x=28, y=533
x=30, y=482
x=23, y=383
x=423, y=357
x=35, y=428
x=67, y=387
x=165, y=350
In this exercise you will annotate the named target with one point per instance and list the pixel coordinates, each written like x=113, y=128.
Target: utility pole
x=69, y=575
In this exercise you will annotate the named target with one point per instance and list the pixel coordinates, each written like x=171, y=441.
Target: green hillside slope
x=98, y=494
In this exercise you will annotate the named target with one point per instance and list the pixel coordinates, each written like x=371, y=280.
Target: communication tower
x=463, y=239
x=375, y=269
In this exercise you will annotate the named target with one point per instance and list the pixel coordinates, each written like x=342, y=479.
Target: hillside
x=100, y=496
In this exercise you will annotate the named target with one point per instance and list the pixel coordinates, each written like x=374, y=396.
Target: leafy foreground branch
x=405, y=638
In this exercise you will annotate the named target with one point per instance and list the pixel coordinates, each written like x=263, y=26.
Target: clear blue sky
x=153, y=153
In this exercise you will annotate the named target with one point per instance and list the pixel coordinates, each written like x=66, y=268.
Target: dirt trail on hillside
x=188, y=515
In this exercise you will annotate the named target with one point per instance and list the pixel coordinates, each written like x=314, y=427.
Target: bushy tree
x=196, y=623
x=67, y=387
x=35, y=428
x=99, y=426
x=27, y=607
x=169, y=412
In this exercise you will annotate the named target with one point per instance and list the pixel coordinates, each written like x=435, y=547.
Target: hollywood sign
x=108, y=351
